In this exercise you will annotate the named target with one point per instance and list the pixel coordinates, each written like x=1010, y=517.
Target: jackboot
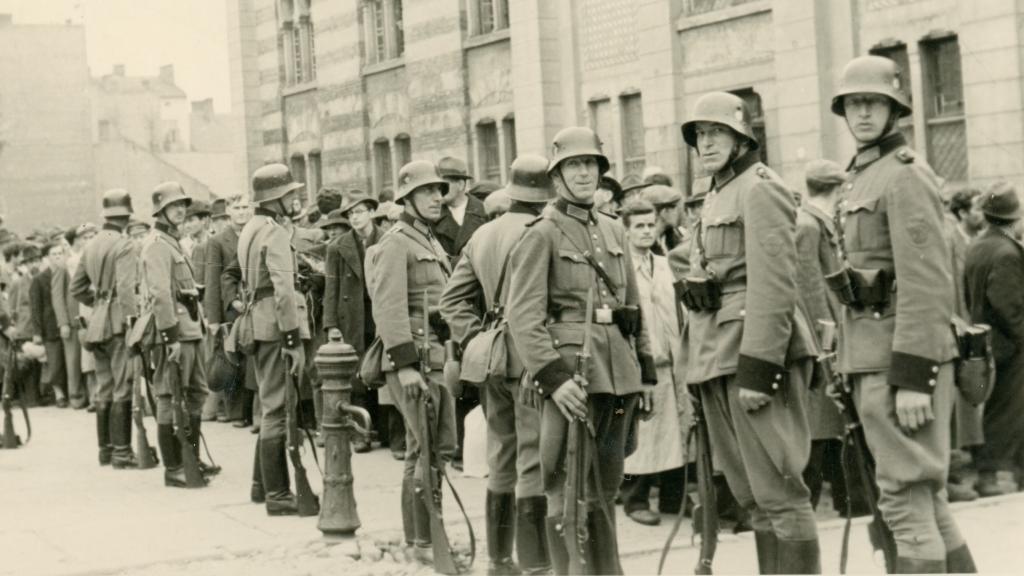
x=194, y=438
x=799, y=557
x=276, y=484
x=531, y=539
x=256, y=493
x=767, y=551
x=501, y=514
x=103, y=432
x=421, y=518
x=121, y=435
x=556, y=545
x=174, y=471
x=408, y=503
x=603, y=546
x=988, y=485
x=960, y=561
x=919, y=566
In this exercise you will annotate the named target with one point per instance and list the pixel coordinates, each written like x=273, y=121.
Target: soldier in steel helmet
x=171, y=295
x=279, y=322
x=105, y=280
x=750, y=348
x=516, y=505
x=897, y=346
x=411, y=262
x=568, y=251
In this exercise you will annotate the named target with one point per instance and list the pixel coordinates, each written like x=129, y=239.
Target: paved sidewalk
x=61, y=513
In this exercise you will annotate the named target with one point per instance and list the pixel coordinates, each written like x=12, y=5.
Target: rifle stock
x=706, y=511
x=575, y=513
x=305, y=500
x=193, y=476
x=144, y=453
x=431, y=468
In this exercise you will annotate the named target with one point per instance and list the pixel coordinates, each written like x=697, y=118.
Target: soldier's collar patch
x=112, y=227
x=577, y=211
x=867, y=156
x=890, y=143
x=723, y=176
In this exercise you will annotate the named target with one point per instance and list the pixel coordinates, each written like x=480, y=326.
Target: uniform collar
x=532, y=209
x=580, y=212
x=822, y=217
x=415, y=223
x=734, y=169
x=866, y=156
x=166, y=229
x=112, y=227
x=264, y=212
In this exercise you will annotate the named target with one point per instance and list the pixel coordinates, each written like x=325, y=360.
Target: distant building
x=46, y=161
x=346, y=91
x=148, y=132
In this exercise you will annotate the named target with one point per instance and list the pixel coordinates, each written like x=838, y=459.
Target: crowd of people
x=563, y=298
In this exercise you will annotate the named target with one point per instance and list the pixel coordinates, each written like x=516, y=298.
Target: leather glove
x=628, y=319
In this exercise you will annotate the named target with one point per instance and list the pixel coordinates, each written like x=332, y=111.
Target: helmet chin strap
x=567, y=188
x=890, y=125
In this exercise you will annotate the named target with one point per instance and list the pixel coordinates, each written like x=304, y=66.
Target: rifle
x=11, y=439
x=705, y=513
x=144, y=453
x=432, y=471
x=857, y=455
x=193, y=475
x=575, y=513
x=307, y=502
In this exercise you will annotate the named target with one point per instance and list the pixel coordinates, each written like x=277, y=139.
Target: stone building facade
x=346, y=91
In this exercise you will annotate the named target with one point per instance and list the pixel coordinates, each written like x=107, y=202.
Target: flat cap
x=1001, y=201
x=823, y=172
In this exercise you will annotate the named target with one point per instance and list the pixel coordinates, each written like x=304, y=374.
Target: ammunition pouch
x=700, y=294
x=628, y=319
x=439, y=326
x=861, y=288
x=976, y=368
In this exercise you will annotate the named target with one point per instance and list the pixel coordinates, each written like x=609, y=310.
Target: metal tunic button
x=595, y=236
x=877, y=315
x=775, y=386
x=849, y=186
x=598, y=250
x=778, y=376
x=931, y=382
x=419, y=330
x=743, y=312
x=601, y=264
x=935, y=369
x=556, y=341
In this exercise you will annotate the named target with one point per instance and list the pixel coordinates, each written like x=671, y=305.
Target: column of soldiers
x=551, y=285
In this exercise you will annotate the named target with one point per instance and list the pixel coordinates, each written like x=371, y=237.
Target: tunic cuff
x=913, y=372
x=291, y=339
x=549, y=378
x=404, y=355
x=648, y=369
x=759, y=375
x=169, y=335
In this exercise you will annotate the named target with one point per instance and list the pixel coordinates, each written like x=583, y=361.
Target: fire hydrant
x=336, y=362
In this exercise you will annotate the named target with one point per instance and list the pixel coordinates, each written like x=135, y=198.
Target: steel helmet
x=577, y=141
x=272, y=182
x=872, y=75
x=417, y=174
x=528, y=179
x=721, y=108
x=117, y=202
x=166, y=194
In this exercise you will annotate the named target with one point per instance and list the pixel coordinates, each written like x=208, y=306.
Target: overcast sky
x=145, y=34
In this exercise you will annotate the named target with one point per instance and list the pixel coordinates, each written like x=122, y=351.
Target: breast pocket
x=723, y=237
x=426, y=270
x=572, y=270
x=866, y=226
x=181, y=274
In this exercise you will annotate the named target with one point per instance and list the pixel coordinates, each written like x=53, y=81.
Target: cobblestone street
x=60, y=511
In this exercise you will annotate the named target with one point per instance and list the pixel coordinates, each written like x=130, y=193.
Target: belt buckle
x=603, y=315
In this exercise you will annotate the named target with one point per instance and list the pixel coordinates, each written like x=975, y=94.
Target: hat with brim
x=1001, y=201
x=481, y=190
x=219, y=209
x=356, y=199
x=335, y=218
x=450, y=167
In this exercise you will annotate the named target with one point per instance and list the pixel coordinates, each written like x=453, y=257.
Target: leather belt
x=577, y=316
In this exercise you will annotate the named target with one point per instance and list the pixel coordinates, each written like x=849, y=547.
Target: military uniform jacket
x=221, y=252
x=346, y=297
x=891, y=219
x=817, y=247
x=407, y=262
x=547, y=301
x=108, y=269
x=166, y=278
x=476, y=276
x=267, y=259
x=748, y=234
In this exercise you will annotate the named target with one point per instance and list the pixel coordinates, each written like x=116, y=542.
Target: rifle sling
x=298, y=417
x=432, y=447
x=682, y=511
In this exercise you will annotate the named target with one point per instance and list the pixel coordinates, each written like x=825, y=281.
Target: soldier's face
x=715, y=145
x=175, y=214
x=579, y=178
x=427, y=200
x=867, y=116
x=642, y=230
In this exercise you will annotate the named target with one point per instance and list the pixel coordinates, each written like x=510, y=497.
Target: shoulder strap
x=504, y=269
